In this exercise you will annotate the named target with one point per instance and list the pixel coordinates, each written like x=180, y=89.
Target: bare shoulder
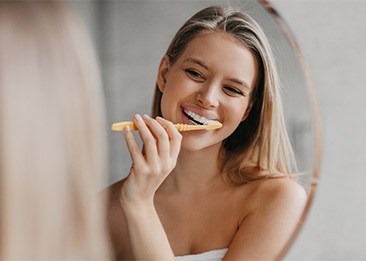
x=116, y=220
x=281, y=191
x=113, y=190
x=276, y=206
x=282, y=196
x=114, y=211
x=111, y=194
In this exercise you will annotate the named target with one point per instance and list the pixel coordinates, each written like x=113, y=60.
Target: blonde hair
x=52, y=147
x=259, y=148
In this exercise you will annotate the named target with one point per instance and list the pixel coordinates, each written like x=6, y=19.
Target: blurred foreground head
x=52, y=147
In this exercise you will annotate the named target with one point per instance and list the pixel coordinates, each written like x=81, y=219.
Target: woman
x=226, y=193
x=52, y=143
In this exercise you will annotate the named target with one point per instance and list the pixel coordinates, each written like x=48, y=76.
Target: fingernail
x=147, y=116
x=138, y=117
x=160, y=118
x=127, y=129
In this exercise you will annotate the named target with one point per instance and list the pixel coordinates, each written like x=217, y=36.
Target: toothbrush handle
x=121, y=125
x=180, y=127
x=186, y=127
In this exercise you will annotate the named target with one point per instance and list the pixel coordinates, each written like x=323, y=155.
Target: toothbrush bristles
x=212, y=125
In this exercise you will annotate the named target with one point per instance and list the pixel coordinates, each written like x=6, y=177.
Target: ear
x=249, y=108
x=162, y=72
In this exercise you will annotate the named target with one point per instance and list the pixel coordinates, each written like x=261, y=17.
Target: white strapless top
x=213, y=255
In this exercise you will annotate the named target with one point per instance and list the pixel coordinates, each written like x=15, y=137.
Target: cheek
x=170, y=100
x=177, y=90
x=164, y=105
x=236, y=111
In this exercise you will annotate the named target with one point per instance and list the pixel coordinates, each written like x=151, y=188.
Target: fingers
x=150, y=148
x=136, y=155
x=161, y=143
x=160, y=135
x=174, y=135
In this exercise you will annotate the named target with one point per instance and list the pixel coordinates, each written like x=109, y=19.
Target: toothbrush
x=210, y=125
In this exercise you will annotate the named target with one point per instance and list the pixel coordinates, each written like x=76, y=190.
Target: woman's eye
x=233, y=91
x=194, y=74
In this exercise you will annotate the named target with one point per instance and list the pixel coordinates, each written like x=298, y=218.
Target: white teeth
x=197, y=117
x=202, y=119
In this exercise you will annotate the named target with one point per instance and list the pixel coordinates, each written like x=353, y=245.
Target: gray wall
x=132, y=37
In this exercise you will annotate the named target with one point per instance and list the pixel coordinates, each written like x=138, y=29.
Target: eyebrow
x=199, y=62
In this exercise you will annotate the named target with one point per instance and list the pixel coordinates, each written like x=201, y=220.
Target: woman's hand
x=150, y=167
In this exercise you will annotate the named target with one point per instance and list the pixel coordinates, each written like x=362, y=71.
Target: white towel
x=213, y=255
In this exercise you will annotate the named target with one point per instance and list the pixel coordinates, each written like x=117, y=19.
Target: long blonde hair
x=259, y=148
x=52, y=147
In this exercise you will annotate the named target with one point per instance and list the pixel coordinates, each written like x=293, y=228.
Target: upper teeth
x=197, y=117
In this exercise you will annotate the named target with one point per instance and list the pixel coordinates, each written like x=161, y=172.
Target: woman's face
x=211, y=80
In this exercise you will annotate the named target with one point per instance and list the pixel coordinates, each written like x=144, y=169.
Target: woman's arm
x=149, y=169
x=264, y=232
x=147, y=236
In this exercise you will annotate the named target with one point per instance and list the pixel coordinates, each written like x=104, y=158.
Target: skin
x=175, y=201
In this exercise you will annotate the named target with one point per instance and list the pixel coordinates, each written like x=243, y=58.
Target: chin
x=194, y=145
x=191, y=147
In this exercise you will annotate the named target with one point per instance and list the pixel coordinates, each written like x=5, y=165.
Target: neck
x=195, y=171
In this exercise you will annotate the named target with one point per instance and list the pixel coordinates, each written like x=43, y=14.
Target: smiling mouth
x=195, y=118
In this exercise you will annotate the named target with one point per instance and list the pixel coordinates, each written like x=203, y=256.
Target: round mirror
x=132, y=36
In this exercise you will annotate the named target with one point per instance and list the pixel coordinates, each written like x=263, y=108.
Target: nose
x=207, y=96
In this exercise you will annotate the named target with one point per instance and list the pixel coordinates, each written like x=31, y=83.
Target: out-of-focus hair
x=259, y=148
x=52, y=147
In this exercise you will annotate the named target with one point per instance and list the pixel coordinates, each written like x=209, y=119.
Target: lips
x=196, y=118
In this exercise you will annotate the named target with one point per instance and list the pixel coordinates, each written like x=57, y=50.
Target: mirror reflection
x=132, y=39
